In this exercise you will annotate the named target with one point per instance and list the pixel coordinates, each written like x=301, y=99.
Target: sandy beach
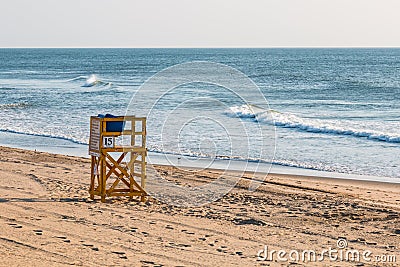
x=48, y=219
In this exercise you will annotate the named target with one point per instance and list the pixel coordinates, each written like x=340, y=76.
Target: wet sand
x=48, y=219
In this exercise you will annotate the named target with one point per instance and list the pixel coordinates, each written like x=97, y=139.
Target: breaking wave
x=90, y=81
x=289, y=120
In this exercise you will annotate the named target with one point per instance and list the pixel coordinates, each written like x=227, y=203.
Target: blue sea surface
x=335, y=110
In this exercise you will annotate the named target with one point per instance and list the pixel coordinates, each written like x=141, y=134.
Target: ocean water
x=335, y=110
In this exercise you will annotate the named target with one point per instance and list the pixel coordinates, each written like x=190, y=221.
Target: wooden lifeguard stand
x=117, y=147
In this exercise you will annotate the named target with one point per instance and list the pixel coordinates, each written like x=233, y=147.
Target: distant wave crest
x=90, y=81
x=288, y=120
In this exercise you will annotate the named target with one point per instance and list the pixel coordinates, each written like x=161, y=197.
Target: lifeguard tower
x=117, y=147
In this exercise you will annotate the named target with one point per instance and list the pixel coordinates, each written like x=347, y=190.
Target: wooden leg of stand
x=103, y=178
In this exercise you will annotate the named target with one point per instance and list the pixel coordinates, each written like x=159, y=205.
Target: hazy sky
x=201, y=23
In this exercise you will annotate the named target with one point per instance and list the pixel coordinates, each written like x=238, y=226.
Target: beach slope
x=47, y=219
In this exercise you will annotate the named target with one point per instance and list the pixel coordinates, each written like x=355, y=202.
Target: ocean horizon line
x=200, y=47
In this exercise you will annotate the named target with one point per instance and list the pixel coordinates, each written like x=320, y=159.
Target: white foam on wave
x=90, y=81
x=93, y=80
x=77, y=78
x=289, y=120
x=60, y=137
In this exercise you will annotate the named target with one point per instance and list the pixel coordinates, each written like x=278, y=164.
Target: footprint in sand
x=121, y=254
x=64, y=239
x=38, y=232
x=145, y=263
x=187, y=232
x=15, y=225
x=222, y=249
x=239, y=253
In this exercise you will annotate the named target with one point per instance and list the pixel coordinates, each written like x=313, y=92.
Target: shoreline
x=66, y=147
x=47, y=216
